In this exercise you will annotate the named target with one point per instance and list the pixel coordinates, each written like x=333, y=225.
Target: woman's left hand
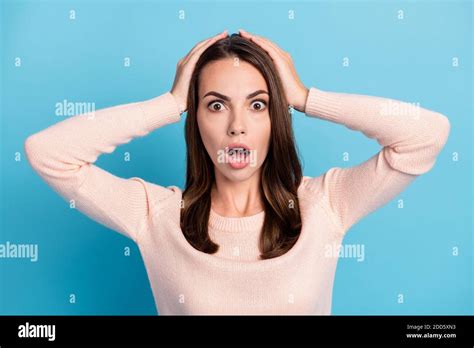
x=296, y=93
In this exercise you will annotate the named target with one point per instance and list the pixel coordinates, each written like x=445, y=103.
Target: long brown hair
x=281, y=172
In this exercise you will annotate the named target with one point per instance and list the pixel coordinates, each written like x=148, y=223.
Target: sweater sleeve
x=411, y=139
x=64, y=155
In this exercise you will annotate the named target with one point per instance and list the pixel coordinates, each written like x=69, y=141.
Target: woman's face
x=233, y=108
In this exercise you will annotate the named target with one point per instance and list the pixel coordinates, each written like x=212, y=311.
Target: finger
x=202, y=43
x=269, y=42
x=258, y=39
x=213, y=38
x=197, y=53
x=205, y=43
x=277, y=48
x=282, y=52
x=267, y=45
x=271, y=50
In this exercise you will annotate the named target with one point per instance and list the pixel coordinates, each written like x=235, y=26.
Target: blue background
x=408, y=251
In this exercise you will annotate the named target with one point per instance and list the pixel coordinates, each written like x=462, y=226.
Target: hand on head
x=185, y=68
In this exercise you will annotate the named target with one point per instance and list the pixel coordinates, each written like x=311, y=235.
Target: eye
x=260, y=105
x=215, y=105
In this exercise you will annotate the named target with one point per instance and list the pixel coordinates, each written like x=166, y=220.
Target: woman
x=248, y=234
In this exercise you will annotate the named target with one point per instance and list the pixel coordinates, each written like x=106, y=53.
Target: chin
x=238, y=174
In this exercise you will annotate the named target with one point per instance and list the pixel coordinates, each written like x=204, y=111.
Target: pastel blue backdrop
x=408, y=251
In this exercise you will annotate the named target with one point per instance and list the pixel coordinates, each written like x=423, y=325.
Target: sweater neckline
x=305, y=197
x=236, y=224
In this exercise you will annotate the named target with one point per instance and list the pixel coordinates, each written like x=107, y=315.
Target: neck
x=236, y=198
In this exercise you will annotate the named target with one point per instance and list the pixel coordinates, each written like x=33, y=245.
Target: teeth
x=239, y=150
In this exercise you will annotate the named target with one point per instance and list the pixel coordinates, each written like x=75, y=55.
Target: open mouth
x=241, y=151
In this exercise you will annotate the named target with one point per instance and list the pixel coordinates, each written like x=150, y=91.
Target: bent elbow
x=443, y=128
x=437, y=140
x=32, y=147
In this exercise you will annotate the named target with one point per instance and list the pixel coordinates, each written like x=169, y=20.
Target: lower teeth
x=238, y=152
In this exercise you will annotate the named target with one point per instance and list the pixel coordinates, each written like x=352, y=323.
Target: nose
x=236, y=127
x=236, y=131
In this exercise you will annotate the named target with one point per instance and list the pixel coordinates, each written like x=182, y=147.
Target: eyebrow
x=251, y=95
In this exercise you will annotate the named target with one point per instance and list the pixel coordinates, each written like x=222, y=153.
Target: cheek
x=209, y=134
x=264, y=133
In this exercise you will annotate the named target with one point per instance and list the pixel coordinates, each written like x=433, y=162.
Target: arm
x=410, y=143
x=63, y=155
x=410, y=147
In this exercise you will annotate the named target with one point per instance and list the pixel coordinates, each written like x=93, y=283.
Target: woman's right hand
x=185, y=68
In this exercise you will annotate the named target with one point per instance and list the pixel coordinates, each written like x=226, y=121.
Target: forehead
x=235, y=79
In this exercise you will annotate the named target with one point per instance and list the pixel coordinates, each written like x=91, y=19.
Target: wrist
x=302, y=99
x=179, y=101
